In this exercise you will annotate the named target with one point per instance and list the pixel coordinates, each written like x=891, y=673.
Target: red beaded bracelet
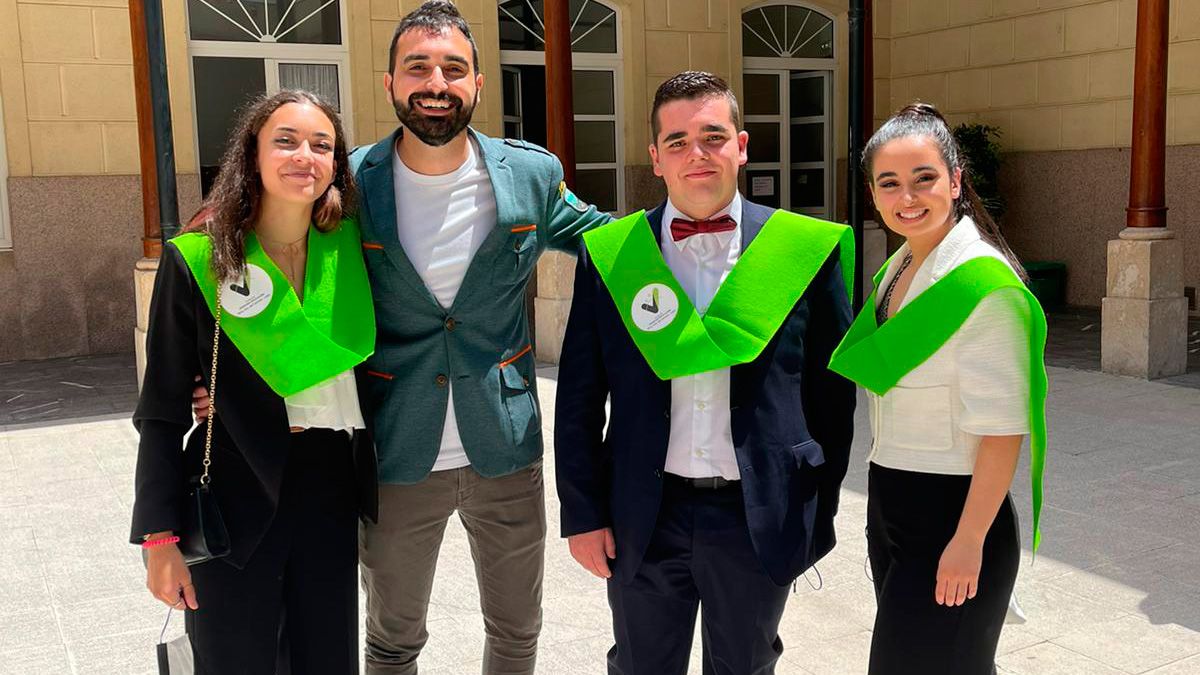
x=151, y=543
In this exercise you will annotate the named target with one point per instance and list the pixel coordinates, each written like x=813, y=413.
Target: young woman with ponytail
x=949, y=348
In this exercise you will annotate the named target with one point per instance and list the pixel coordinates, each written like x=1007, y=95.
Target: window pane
x=761, y=94
x=763, y=186
x=512, y=91
x=764, y=142
x=520, y=25
x=595, y=142
x=512, y=130
x=286, y=21
x=808, y=188
x=593, y=92
x=808, y=142
x=762, y=32
x=808, y=96
x=816, y=41
x=319, y=78
x=597, y=186
x=223, y=87
x=595, y=28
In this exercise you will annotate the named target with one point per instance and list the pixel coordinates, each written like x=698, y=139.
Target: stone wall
x=66, y=288
x=1067, y=205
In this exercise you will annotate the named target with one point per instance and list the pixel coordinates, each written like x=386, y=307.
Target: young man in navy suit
x=717, y=481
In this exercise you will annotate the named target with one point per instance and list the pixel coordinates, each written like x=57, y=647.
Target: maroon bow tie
x=681, y=228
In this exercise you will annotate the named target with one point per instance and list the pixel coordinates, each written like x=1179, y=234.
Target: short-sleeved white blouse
x=976, y=385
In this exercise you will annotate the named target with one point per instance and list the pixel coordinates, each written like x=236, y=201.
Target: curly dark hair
x=691, y=85
x=232, y=206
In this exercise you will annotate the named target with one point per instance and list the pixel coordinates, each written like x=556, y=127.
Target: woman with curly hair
x=266, y=296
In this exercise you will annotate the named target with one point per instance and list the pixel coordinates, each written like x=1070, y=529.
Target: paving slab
x=1115, y=587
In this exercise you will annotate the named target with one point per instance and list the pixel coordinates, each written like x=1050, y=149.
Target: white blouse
x=332, y=404
x=977, y=384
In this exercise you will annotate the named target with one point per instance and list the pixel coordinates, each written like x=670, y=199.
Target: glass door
x=791, y=141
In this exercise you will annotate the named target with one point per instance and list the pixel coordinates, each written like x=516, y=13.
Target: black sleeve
x=164, y=410
x=582, y=462
x=829, y=399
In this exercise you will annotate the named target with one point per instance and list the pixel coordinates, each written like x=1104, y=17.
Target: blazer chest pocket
x=515, y=260
x=918, y=418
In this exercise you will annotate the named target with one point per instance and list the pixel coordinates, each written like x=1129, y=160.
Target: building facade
x=1055, y=76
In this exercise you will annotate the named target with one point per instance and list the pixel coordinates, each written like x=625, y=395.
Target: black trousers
x=294, y=607
x=699, y=557
x=911, y=516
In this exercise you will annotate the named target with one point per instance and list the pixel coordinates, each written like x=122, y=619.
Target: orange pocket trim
x=523, y=228
x=376, y=373
x=508, y=362
x=372, y=246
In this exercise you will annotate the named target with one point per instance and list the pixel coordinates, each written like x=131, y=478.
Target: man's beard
x=434, y=131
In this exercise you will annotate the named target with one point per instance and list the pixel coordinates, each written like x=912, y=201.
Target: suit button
x=667, y=413
x=441, y=380
x=657, y=473
x=451, y=323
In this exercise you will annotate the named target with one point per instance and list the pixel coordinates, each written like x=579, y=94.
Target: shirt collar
x=733, y=209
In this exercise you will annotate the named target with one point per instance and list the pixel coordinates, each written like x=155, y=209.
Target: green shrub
x=981, y=145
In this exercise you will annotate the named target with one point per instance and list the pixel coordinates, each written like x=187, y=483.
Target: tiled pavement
x=1115, y=588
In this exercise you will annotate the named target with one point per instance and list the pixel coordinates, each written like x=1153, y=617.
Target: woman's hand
x=168, y=578
x=958, y=571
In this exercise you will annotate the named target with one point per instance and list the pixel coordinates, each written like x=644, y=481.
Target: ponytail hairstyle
x=922, y=119
x=235, y=200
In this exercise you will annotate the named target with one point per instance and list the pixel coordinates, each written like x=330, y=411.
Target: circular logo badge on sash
x=247, y=296
x=654, y=307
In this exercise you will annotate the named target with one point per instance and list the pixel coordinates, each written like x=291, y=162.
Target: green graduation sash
x=752, y=302
x=293, y=346
x=877, y=357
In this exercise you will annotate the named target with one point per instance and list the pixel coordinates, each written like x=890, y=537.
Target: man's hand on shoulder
x=593, y=550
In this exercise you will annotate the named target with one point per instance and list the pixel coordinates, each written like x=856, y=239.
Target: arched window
x=789, y=62
x=593, y=26
x=787, y=31
x=243, y=48
x=596, y=59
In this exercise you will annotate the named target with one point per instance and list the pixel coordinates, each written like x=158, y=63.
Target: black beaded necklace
x=881, y=312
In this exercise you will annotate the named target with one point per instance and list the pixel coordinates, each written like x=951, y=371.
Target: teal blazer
x=479, y=349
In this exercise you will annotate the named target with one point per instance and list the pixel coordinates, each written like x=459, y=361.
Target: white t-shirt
x=977, y=384
x=441, y=222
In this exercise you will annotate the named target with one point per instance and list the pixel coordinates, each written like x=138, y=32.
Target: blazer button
x=667, y=413
x=451, y=323
x=657, y=473
x=441, y=380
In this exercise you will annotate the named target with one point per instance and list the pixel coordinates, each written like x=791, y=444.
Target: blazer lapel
x=754, y=216
x=654, y=217
x=379, y=190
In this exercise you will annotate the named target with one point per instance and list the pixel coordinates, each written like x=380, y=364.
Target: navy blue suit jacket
x=792, y=422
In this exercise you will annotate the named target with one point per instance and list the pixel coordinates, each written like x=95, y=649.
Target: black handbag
x=204, y=536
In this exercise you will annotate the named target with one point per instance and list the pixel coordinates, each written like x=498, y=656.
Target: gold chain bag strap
x=204, y=536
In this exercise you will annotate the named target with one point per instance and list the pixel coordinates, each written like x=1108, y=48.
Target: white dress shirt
x=441, y=222
x=975, y=385
x=701, y=442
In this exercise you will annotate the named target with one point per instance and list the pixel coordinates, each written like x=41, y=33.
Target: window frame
x=785, y=67
x=594, y=61
x=272, y=54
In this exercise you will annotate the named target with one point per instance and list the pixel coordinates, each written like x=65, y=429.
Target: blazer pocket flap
x=809, y=452
x=513, y=379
